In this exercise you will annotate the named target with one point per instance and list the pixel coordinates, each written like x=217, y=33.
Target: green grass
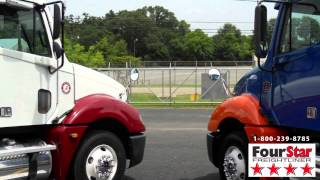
x=165, y=85
x=187, y=98
x=182, y=98
x=143, y=98
x=181, y=101
x=206, y=105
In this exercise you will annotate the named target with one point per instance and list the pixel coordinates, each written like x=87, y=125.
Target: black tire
x=94, y=139
x=239, y=140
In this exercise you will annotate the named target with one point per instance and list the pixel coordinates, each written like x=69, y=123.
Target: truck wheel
x=101, y=157
x=233, y=157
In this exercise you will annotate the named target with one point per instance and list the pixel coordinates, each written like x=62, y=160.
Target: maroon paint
x=66, y=148
x=99, y=106
x=86, y=111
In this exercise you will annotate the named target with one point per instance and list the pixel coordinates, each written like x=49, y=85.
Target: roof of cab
x=33, y=1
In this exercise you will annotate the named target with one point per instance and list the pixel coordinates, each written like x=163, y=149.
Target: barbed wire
x=81, y=19
x=125, y=27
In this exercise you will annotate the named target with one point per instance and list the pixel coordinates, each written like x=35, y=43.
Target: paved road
x=176, y=146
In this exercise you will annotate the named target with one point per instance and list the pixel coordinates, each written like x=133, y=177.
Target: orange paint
x=264, y=131
x=244, y=108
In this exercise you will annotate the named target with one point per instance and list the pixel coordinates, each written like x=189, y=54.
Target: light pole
x=134, y=46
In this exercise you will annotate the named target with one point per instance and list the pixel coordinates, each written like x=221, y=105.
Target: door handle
x=282, y=60
x=285, y=59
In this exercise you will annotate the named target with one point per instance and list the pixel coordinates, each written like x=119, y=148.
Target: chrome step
x=26, y=150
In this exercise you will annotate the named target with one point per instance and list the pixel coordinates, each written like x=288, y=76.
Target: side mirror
x=58, y=50
x=260, y=31
x=56, y=22
x=134, y=74
x=214, y=74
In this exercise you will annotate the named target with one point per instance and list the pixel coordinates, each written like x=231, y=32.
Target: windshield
x=22, y=30
x=302, y=27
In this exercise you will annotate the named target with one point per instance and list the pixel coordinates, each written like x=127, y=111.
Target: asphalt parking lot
x=176, y=146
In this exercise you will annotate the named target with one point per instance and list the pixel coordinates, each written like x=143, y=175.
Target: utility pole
x=134, y=46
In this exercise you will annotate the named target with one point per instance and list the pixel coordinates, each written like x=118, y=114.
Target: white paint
x=93, y=82
x=22, y=75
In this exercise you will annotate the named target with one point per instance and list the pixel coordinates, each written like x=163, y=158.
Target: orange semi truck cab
x=280, y=97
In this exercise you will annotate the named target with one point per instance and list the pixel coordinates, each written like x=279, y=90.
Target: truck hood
x=88, y=82
x=249, y=83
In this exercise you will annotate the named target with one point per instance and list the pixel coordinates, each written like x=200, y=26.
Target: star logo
x=290, y=169
x=257, y=169
x=307, y=169
x=274, y=170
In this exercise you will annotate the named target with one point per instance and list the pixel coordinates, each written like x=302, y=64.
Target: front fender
x=244, y=108
x=100, y=106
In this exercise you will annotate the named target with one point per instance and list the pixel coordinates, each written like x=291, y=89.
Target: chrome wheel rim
x=102, y=163
x=234, y=165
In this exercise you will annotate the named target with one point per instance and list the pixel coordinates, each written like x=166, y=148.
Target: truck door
x=28, y=91
x=296, y=80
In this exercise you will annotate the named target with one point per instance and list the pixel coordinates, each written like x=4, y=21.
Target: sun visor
x=17, y=4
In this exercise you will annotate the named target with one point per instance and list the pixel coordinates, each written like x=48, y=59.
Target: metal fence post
x=170, y=85
x=229, y=78
x=162, y=83
x=127, y=74
x=175, y=74
x=236, y=75
x=144, y=77
x=196, y=80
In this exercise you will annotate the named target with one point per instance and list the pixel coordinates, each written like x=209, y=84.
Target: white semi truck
x=58, y=120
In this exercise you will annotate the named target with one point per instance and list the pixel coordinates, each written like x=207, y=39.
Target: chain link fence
x=147, y=64
x=178, y=84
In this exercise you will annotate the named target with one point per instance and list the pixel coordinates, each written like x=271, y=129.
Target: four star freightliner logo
x=282, y=160
x=274, y=169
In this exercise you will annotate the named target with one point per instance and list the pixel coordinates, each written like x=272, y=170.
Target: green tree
x=132, y=26
x=308, y=30
x=115, y=52
x=230, y=45
x=162, y=17
x=156, y=48
x=125, y=59
x=183, y=28
x=154, y=34
x=198, y=46
x=109, y=48
x=90, y=58
x=271, y=25
x=86, y=30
